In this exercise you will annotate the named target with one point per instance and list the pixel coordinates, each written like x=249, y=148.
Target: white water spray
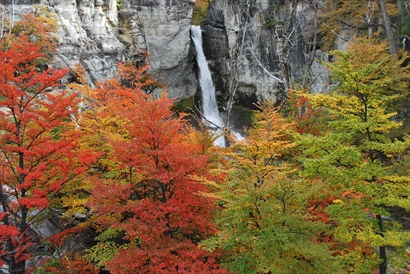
x=209, y=105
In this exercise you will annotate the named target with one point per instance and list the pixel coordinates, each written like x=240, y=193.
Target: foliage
x=66, y=264
x=39, y=27
x=306, y=118
x=39, y=151
x=264, y=226
x=357, y=16
x=355, y=156
x=120, y=3
x=309, y=196
x=150, y=198
x=185, y=105
x=269, y=21
x=200, y=11
x=405, y=22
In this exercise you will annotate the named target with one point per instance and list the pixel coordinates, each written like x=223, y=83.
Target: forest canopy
x=319, y=184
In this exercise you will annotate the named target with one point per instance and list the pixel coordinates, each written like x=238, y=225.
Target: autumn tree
x=38, y=147
x=39, y=27
x=360, y=17
x=355, y=154
x=148, y=209
x=264, y=224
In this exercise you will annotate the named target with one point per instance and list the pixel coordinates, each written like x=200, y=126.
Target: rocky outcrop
x=161, y=28
x=98, y=34
x=278, y=47
x=88, y=36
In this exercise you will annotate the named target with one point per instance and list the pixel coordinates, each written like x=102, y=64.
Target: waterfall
x=210, y=110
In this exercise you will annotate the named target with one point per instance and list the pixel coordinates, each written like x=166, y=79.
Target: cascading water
x=210, y=110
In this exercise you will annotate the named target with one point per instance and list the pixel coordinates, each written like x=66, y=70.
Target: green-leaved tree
x=264, y=225
x=355, y=156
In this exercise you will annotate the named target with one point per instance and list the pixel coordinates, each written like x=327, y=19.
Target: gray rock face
x=87, y=36
x=268, y=45
x=98, y=35
x=161, y=28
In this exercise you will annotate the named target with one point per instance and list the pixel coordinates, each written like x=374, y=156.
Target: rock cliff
x=278, y=39
x=279, y=47
x=98, y=34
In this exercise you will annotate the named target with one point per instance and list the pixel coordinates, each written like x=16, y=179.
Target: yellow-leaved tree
x=264, y=225
x=356, y=153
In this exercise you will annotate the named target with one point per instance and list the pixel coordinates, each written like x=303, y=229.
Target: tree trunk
x=17, y=268
x=387, y=26
x=382, y=249
x=400, y=11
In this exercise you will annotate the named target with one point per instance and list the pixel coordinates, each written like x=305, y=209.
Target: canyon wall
x=98, y=34
x=277, y=36
x=279, y=47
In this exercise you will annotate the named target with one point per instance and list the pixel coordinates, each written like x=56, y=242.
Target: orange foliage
x=155, y=200
x=38, y=144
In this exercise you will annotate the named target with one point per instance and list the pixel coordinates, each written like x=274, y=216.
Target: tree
x=355, y=155
x=38, y=26
x=358, y=17
x=150, y=212
x=387, y=26
x=38, y=147
x=264, y=225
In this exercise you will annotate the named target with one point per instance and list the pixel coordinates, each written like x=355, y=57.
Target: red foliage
x=60, y=238
x=162, y=214
x=318, y=208
x=75, y=264
x=165, y=257
x=38, y=143
x=302, y=113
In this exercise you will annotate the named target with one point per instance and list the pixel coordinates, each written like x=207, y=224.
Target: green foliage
x=200, y=11
x=106, y=248
x=405, y=27
x=405, y=19
x=264, y=226
x=102, y=252
x=184, y=105
x=108, y=234
x=354, y=157
x=269, y=21
x=120, y=3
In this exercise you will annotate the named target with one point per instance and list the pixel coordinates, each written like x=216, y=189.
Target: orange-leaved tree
x=38, y=147
x=148, y=208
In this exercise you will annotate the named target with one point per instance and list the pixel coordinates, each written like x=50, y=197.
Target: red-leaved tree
x=39, y=150
x=153, y=207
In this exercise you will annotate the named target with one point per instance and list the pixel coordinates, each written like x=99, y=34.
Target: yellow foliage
x=354, y=15
x=337, y=201
x=200, y=11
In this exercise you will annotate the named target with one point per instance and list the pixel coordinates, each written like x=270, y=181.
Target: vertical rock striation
x=279, y=47
x=162, y=29
x=98, y=34
x=279, y=42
